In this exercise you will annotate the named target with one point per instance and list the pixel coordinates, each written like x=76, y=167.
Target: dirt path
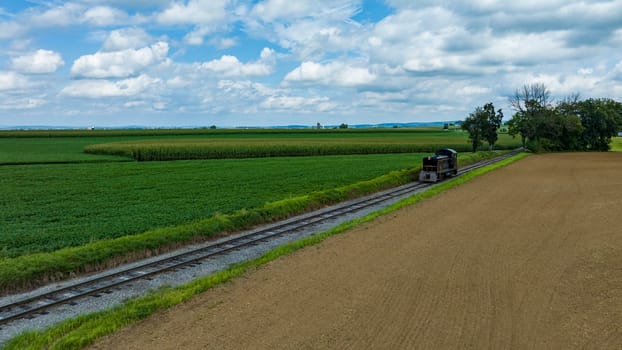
x=525, y=257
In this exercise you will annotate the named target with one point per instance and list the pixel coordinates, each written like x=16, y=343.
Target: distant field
x=24, y=150
x=67, y=146
x=47, y=207
x=616, y=144
x=290, y=144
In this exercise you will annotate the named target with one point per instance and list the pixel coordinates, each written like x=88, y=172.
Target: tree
x=615, y=109
x=482, y=125
x=492, y=124
x=472, y=124
x=531, y=103
x=529, y=97
x=599, y=118
x=570, y=125
x=518, y=126
x=343, y=126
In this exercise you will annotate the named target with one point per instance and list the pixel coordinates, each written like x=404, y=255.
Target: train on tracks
x=439, y=166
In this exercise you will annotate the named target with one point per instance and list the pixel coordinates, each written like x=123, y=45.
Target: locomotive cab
x=442, y=164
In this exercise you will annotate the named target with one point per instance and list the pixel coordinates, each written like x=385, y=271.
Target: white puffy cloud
x=199, y=12
x=443, y=42
x=177, y=82
x=298, y=103
x=132, y=4
x=284, y=10
x=270, y=10
x=223, y=43
x=159, y=106
x=132, y=104
x=473, y=90
x=481, y=6
x=334, y=73
x=65, y=15
x=229, y=65
x=21, y=103
x=128, y=38
x=104, y=88
x=309, y=28
x=196, y=36
x=316, y=38
x=10, y=30
x=41, y=61
x=246, y=89
x=207, y=16
x=119, y=64
x=103, y=16
x=13, y=81
x=617, y=71
x=529, y=49
x=418, y=40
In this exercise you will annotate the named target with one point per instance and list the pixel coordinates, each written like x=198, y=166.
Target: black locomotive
x=435, y=168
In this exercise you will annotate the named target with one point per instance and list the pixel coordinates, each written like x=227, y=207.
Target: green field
x=48, y=207
x=58, y=146
x=616, y=144
x=43, y=150
x=328, y=142
x=63, y=211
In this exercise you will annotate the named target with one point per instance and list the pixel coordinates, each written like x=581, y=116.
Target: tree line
x=570, y=124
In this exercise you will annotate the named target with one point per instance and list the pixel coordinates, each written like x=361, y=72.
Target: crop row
x=210, y=150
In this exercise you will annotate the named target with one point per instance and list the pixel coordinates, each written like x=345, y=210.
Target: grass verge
x=82, y=331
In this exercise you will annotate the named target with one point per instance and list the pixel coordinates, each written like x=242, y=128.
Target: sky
x=180, y=63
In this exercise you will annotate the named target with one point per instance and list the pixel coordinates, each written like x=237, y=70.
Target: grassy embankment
x=82, y=331
x=616, y=144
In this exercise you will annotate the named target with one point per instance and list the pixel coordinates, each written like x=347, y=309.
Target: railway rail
x=44, y=303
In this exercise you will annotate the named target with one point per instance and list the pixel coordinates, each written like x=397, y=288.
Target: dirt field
x=526, y=257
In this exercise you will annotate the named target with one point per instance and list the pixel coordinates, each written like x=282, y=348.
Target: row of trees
x=568, y=125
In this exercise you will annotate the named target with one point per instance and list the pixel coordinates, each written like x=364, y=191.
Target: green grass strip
x=82, y=331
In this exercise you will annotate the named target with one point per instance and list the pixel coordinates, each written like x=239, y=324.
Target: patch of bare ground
x=526, y=257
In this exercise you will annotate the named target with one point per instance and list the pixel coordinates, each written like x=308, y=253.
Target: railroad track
x=30, y=307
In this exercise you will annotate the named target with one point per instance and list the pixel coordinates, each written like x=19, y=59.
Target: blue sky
x=278, y=62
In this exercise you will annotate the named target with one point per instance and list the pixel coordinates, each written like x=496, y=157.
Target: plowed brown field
x=526, y=257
